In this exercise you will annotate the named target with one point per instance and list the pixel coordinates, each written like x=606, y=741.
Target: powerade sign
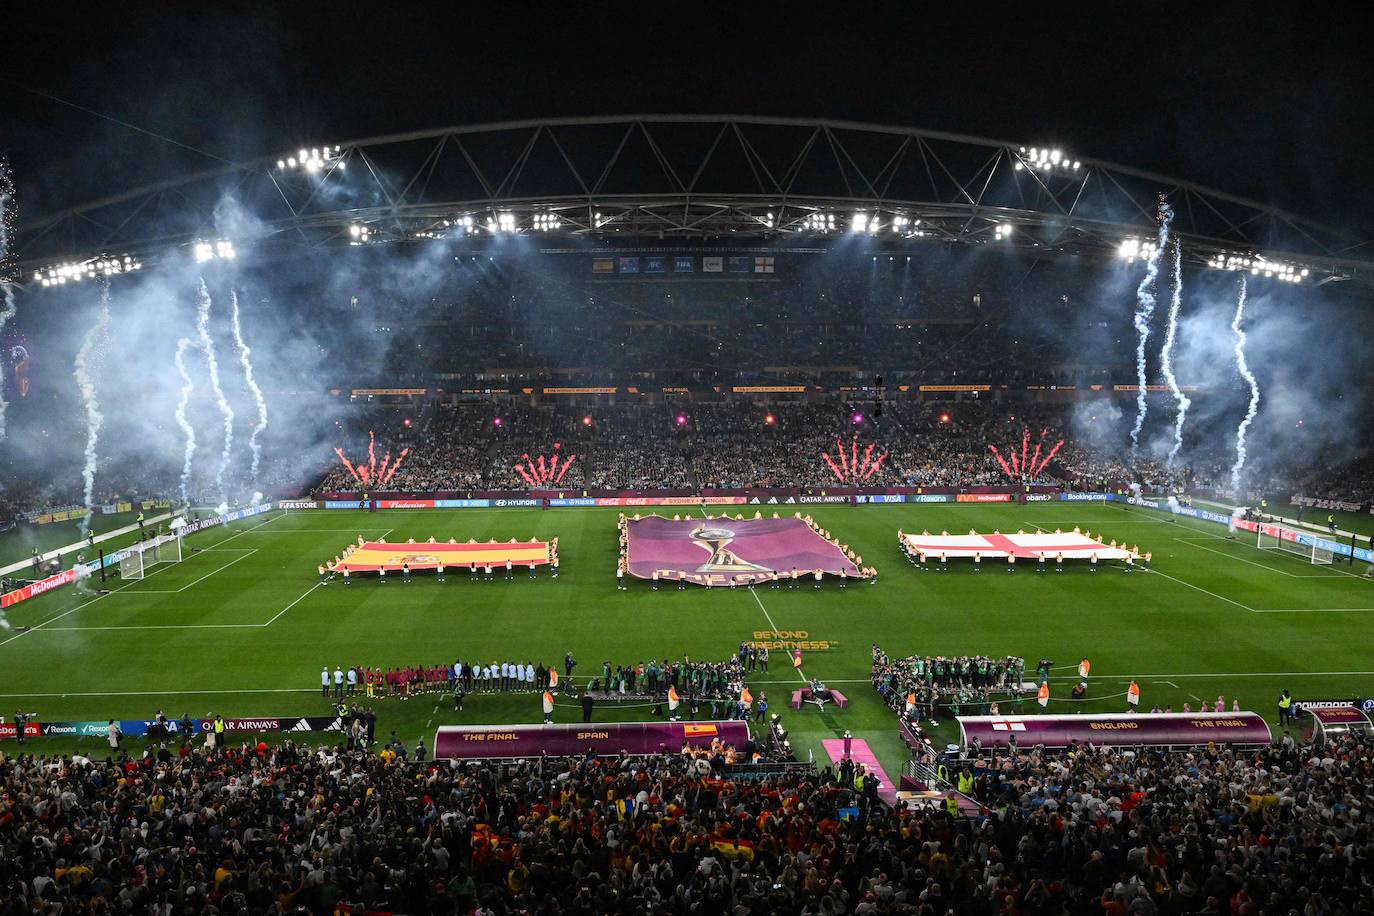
x=880, y=498
x=1083, y=497
x=573, y=501
x=462, y=504
x=517, y=503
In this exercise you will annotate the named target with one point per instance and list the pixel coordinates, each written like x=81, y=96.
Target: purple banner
x=1153, y=729
x=478, y=742
x=718, y=551
x=1338, y=715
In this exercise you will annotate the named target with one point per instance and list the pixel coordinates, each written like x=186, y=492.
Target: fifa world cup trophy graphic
x=715, y=541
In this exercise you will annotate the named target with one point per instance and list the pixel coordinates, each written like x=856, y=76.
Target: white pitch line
x=80, y=606
x=1312, y=610
x=773, y=626
x=1192, y=542
x=174, y=591
x=291, y=605
x=191, y=626
x=1219, y=537
x=1199, y=588
x=166, y=693
x=1225, y=674
x=246, y=530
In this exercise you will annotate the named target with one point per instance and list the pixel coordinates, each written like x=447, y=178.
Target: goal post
x=141, y=556
x=1289, y=540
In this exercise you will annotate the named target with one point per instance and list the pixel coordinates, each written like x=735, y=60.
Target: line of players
x=410, y=680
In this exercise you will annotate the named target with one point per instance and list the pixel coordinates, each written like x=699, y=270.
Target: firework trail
x=7, y=306
x=1144, y=311
x=187, y=430
x=1243, y=368
x=212, y=362
x=89, y=360
x=1166, y=357
x=1002, y=461
x=253, y=445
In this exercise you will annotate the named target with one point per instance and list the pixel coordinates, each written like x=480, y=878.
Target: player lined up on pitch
x=478, y=560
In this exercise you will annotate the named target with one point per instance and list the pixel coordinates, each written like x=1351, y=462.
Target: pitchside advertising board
x=478, y=742
x=1153, y=729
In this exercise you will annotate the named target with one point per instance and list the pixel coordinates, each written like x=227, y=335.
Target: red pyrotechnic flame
x=852, y=467
x=1028, y=465
x=543, y=470
x=372, y=473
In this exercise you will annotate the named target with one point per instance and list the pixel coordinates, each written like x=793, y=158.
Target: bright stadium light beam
x=1046, y=160
x=313, y=161
x=1257, y=265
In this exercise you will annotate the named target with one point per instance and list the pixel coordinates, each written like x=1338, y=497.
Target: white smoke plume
x=7, y=306
x=88, y=361
x=244, y=352
x=1166, y=357
x=1243, y=368
x=188, y=431
x=1144, y=311
x=207, y=346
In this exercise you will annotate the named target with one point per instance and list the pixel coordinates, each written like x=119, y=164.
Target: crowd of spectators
x=285, y=829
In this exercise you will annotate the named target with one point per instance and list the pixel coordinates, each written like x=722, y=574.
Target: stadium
x=667, y=512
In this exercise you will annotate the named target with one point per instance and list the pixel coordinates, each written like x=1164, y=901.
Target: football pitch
x=242, y=626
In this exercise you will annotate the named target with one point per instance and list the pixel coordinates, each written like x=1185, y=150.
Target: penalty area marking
x=1196, y=545
x=194, y=626
x=247, y=552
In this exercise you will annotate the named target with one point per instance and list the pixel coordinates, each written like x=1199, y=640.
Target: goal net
x=1285, y=539
x=141, y=557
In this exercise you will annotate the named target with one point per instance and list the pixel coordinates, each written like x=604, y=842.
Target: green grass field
x=241, y=626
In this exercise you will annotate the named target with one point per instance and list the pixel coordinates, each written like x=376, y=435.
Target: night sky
x=1268, y=102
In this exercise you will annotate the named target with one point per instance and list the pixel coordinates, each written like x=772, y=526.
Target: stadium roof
x=626, y=179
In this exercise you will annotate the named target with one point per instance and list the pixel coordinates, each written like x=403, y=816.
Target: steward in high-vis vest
x=966, y=783
x=952, y=805
x=1286, y=708
x=219, y=732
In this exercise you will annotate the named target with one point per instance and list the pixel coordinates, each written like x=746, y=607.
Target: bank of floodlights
x=359, y=234
x=907, y=227
x=219, y=250
x=501, y=222
x=313, y=160
x=1045, y=159
x=1002, y=231
x=862, y=222
x=819, y=222
x=1259, y=266
x=76, y=271
x=1132, y=249
x=547, y=222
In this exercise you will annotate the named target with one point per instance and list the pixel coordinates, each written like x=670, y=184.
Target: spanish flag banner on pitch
x=373, y=556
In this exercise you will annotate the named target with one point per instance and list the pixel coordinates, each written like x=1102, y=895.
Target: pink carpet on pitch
x=860, y=753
